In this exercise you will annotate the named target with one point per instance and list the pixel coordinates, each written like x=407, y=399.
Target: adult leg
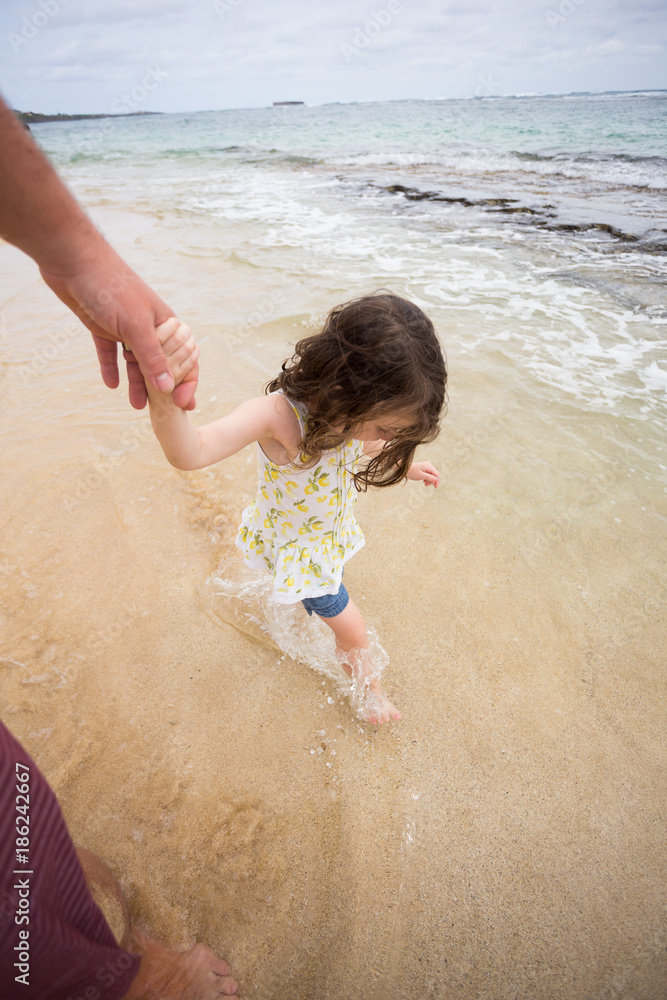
x=107, y=893
x=196, y=974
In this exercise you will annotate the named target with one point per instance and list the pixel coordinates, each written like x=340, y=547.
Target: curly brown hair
x=377, y=355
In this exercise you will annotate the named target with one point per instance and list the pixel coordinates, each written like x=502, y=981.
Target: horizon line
x=395, y=100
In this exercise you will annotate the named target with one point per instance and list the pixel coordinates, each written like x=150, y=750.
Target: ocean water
x=533, y=230
x=539, y=223
x=506, y=837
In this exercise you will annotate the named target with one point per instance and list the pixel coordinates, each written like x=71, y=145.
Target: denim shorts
x=329, y=605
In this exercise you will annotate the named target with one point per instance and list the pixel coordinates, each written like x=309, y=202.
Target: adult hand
x=116, y=306
x=42, y=218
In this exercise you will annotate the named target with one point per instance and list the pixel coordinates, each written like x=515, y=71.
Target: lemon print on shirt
x=301, y=526
x=319, y=480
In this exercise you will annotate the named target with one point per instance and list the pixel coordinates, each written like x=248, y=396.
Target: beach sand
x=505, y=840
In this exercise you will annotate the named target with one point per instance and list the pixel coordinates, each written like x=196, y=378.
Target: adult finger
x=107, y=356
x=136, y=386
x=184, y=393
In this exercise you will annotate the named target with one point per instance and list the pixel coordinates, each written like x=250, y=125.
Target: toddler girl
x=372, y=384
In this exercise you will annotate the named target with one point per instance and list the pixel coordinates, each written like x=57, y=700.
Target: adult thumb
x=150, y=357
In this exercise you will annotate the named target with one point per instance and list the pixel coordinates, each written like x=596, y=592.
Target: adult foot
x=196, y=974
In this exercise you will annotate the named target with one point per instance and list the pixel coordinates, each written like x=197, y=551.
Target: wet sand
x=506, y=839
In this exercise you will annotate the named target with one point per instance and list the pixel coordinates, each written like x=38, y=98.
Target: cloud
x=605, y=48
x=98, y=13
x=93, y=48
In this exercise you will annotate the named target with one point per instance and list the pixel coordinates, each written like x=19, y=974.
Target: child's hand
x=179, y=346
x=424, y=472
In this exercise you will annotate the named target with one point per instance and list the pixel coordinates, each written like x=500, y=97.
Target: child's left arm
x=424, y=472
x=419, y=471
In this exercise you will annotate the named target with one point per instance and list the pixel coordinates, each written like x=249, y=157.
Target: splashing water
x=248, y=605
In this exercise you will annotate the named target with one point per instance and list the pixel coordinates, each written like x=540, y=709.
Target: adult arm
x=40, y=216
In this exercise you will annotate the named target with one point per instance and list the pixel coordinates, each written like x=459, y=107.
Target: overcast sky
x=185, y=55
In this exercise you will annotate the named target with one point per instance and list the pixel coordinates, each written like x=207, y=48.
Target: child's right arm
x=188, y=447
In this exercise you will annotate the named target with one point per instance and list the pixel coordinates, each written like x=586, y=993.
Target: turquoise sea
x=544, y=218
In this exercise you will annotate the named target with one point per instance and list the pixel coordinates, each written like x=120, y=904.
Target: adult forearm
x=38, y=214
x=41, y=217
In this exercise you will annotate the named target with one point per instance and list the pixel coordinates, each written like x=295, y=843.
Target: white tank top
x=301, y=526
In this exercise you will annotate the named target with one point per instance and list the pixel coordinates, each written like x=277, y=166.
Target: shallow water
x=505, y=838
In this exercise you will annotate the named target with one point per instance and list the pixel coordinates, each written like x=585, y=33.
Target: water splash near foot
x=367, y=696
x=246, y=603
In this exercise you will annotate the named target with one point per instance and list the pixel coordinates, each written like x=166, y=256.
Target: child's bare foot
x=370, y=700
x=377, y=708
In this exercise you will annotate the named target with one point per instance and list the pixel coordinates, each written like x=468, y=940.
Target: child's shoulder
x=272, y=407
x=282, y=411
x=279, y=421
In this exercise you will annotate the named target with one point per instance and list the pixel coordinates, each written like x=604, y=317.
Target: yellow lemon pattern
x=301, y=525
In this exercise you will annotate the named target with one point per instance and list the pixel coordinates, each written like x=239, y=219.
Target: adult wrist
x=75, y=250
